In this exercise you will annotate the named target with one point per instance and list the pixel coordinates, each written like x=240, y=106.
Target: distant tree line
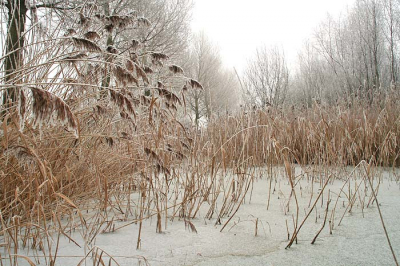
x=354, y=57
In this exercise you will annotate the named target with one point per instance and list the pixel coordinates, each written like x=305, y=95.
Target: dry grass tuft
x=92, y=35
x=48, y=108
x=195, y=84
x=85, y=44
x=176, y=69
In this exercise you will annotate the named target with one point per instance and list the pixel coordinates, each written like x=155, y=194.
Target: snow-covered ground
x=359, y=240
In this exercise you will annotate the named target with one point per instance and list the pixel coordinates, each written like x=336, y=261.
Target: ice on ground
x=359, y=240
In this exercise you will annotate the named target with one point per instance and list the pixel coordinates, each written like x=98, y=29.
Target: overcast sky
x=238, y=27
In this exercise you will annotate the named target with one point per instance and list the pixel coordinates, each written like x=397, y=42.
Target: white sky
x=238, y=27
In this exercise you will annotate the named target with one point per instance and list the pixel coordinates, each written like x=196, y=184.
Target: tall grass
x=323, y=135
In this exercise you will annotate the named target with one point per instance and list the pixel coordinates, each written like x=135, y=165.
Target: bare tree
x=203, y=66
x=353, y=48
x=220, y=86
x=170, y=23
x=227, y=95
x=310, y=76
x=17, y=11
x=391, y=15
x=267, y=77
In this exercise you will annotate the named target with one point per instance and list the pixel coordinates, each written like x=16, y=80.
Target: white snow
x=357, y=241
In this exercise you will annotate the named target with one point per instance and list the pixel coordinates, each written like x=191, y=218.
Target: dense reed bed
x=339, y=135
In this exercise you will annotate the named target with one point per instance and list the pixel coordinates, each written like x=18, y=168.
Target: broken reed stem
x=287, y=230
x=308, y=214
x=270, y=184
x=239, y=204
x=367, y=170
x=256, y=230
x=352, y=198
x=326, y=216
